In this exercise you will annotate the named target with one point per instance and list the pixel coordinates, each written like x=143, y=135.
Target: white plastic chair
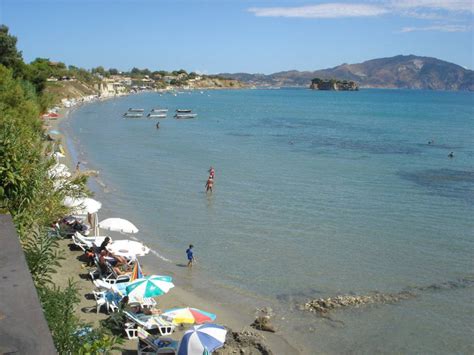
x=100, y=300
x=131, y=330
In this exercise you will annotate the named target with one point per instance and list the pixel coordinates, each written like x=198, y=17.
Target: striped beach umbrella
x=150, y=286
x=136, y=272
x=202, y=339
x=188, y=315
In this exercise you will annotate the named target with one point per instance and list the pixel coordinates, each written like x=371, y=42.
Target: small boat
x=183, y=111
x=136, y=110
x=156, y=115
x=185, y=115
x=159, y=110
x=133, y=114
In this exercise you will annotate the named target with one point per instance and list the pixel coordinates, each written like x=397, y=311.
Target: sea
x=317, y=194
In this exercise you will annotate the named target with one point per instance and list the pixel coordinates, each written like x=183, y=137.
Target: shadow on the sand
x=129, y=352
x=89, y=296
x=74, y=247
x=84, y=259
x=182, y=265
x=90, y=309
x=85, y=276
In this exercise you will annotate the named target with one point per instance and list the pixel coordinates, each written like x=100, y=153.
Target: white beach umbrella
x=82, y=205
x=118, y=225
x=128, y=248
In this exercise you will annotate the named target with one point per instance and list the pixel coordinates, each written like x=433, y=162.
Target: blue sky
x=214, y=36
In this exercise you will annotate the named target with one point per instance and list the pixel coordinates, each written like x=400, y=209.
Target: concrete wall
x=23, y=328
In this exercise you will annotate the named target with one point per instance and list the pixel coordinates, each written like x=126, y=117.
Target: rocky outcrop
x=322, y=306
x=325, y=305
x=336, y=85
x=246, y=341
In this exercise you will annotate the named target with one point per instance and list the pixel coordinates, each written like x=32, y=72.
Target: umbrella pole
x=96, y=224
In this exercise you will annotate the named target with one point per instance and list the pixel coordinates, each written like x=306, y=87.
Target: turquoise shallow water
x=316, y=194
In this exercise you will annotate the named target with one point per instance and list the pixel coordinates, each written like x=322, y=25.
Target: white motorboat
x=185, y=115
x=156, y=115
x=133, y=114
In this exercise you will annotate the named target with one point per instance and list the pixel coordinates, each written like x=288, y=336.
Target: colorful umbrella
x=150, y=286
x=188, y=315
x=202, y=339
x=136, y=272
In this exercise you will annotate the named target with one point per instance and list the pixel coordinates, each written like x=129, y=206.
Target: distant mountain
x=401, y=71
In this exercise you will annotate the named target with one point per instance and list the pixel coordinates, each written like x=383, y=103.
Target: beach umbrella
x=188, y=315
x=136, y=272
x=149, y=286
x=129, y=249
x=82, y=205
x=202, y=339
x=118, y=225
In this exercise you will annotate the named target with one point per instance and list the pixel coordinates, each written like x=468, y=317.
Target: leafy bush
x=70, y=334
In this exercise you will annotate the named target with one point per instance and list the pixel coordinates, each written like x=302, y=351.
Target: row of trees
x=29, y=195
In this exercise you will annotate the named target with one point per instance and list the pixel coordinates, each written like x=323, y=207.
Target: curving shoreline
x=236, y=317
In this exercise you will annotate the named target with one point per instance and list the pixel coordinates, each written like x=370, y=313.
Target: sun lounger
x=149, y=344
x=86, y=242
x=147, y=322
x=107, y=273
x=114, y=275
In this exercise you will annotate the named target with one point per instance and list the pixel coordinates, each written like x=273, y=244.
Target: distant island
x=399, y=72
x=333, y=84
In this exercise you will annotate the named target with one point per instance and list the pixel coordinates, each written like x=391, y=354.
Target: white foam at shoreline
x=154, y=252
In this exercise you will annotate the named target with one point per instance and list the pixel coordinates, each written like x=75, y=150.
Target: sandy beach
x=238, y=319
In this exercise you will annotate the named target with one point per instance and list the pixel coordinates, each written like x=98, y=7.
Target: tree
x=99, y=70
x=38, y=71
x=9, y=55
x=113, y=71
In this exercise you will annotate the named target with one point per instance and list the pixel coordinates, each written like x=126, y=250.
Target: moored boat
x=183, y=111
x=185, y=115
x=133, y=114
x=159, y=110
x=136, y=110
x=156, y=115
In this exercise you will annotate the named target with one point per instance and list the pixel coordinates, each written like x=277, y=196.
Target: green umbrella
x=150, y=286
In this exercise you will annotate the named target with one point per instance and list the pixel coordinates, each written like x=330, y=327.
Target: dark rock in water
x=263, y=323
x=322, y=306
x=325, y=305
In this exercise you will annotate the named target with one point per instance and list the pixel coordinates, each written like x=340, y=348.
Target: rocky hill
x=410, y=71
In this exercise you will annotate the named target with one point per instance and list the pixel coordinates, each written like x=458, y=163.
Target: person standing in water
x=190, y=255
x=212, y=172
x=209, y=183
